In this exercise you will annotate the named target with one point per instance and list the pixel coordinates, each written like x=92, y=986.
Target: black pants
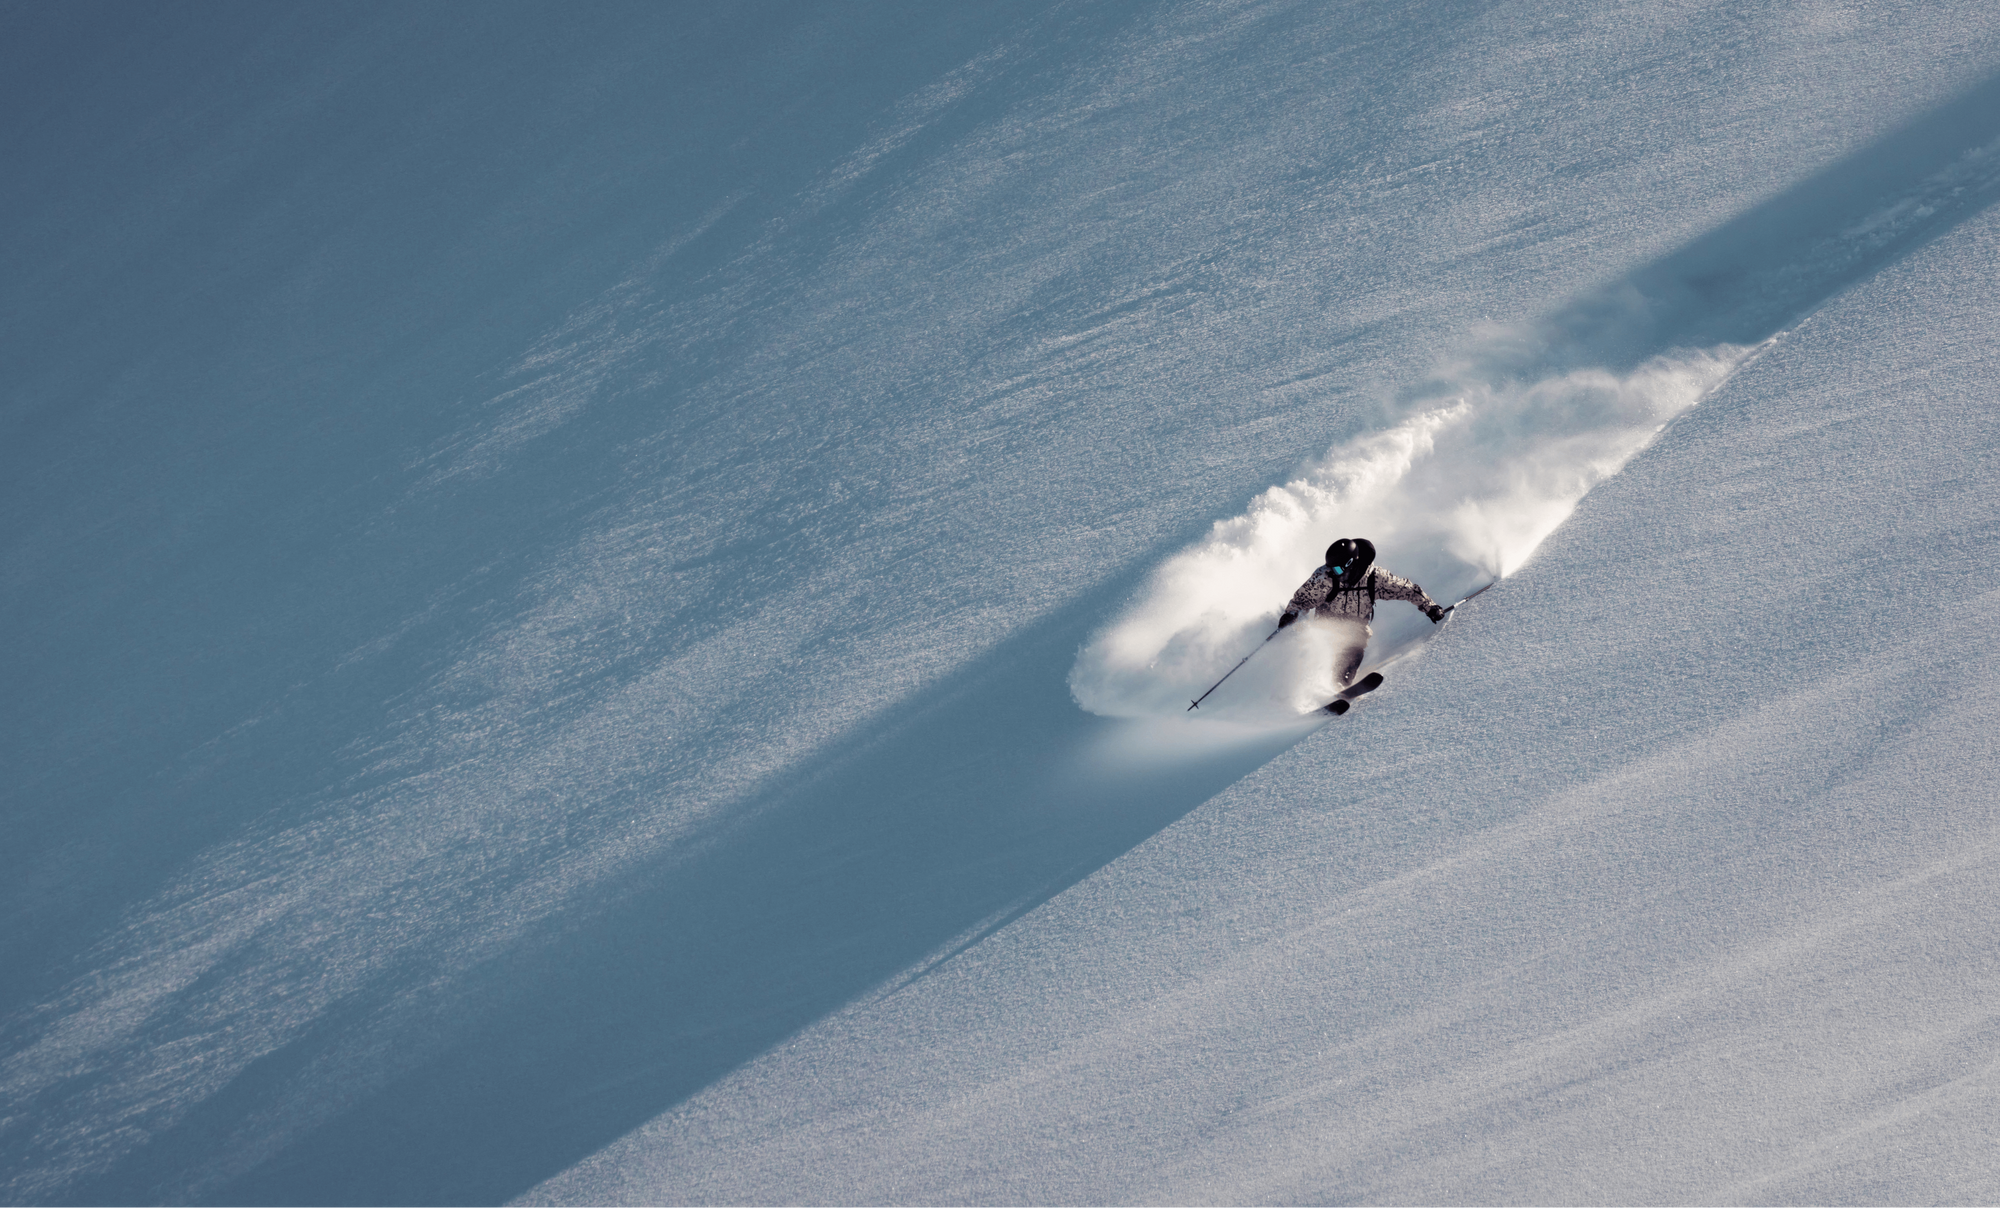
x=1347, y=662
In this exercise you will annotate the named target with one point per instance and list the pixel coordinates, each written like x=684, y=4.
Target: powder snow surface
x=599, y=604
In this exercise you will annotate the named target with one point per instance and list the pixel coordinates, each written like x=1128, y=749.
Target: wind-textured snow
x=599, y=603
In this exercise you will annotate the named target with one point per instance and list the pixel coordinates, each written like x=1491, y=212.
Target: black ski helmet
x=1350, y=558
x=1364, y=557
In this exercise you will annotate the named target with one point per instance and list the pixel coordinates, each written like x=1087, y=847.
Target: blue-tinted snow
x=551, y=561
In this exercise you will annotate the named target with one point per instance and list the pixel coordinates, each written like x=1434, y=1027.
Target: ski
x=1340, y=704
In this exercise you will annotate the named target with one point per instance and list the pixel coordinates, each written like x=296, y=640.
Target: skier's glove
x=1435, y=612
x=1287, y=619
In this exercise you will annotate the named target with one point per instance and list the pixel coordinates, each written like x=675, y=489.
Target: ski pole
x=1232, y=671
x=1489, y=586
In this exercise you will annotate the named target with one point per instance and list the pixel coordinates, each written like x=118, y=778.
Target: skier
x=1345, y=590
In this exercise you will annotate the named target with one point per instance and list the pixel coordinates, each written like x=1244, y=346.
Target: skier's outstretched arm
x=1396, y=587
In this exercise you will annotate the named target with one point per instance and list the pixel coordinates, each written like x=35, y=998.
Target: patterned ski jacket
x=1319, y=595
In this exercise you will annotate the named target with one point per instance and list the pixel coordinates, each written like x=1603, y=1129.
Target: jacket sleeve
x=1396, y=587
x=1311, y=594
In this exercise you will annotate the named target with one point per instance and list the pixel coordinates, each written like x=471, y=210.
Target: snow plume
x=1460, y=492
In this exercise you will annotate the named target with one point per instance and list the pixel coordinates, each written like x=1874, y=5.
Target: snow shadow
x=964, y=809
x=1495, y=449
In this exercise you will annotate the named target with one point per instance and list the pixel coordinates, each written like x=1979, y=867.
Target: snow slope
x=1633, y=894
x=554, y=563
